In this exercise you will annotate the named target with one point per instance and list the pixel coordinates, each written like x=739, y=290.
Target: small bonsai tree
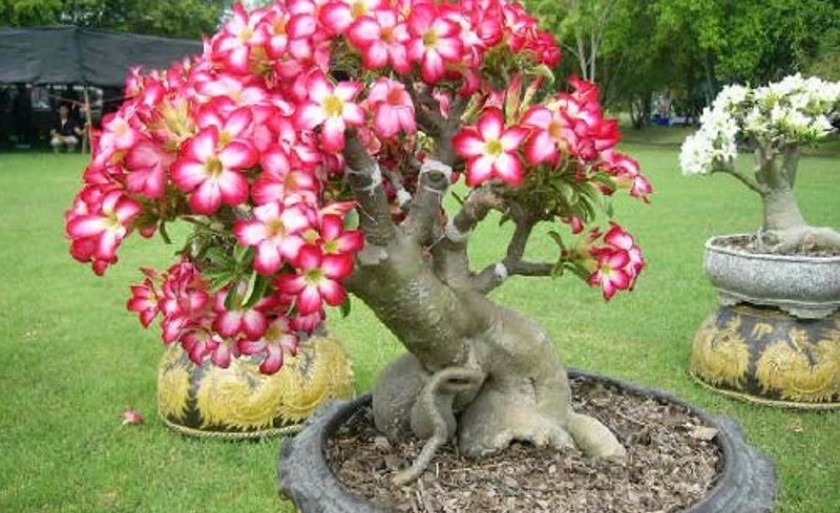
x=311, y=147
x=775, y=121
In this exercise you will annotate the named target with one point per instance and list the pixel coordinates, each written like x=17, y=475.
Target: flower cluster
x=793, y=111
x=245, y=142
x=617, y=262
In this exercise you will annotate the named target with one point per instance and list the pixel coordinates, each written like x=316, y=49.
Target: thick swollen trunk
x=786, y=230
x=475, y=370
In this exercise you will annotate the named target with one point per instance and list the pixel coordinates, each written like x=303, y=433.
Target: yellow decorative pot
x=241, y=402
x=765, y=355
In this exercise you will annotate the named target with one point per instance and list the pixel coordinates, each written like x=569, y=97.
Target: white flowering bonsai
x=775, y=121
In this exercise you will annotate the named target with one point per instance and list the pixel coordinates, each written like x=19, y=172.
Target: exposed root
x=804, y=239
x=432, y=417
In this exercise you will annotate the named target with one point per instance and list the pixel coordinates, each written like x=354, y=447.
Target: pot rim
x=712, y=245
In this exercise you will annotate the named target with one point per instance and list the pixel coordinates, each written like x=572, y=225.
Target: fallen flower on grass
x=132, y=416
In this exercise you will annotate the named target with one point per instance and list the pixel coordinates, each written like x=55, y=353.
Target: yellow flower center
x=495, y=148
x=314, y=276
x=214, y=167
x=275, y=227
x=333, y=106
x=358, y=9
x=430, y=39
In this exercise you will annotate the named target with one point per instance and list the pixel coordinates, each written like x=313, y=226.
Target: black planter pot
x=747, y=484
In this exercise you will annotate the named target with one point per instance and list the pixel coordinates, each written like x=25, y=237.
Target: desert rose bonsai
x=311, y=147
x=776, y=120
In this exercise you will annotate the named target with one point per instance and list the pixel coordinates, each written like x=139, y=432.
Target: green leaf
x=233, y=301
x=219, y=280
x=240, y=252
x=257, y=287
x=345, y=307
x=558, y=239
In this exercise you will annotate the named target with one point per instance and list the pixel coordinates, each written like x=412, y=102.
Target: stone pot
x=803, y=286
x=241, y=402
x=775, y=338
x=747, y=483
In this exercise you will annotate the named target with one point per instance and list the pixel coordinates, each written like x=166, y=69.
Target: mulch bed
x=672, y=461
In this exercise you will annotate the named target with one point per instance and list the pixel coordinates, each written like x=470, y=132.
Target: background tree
x=183, y=19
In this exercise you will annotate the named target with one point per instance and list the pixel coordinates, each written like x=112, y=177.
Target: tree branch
x=364, y=176
x=423, y=223
x=494, y=275
x=451, y=262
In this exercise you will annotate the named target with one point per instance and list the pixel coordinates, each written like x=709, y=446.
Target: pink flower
x=144, y=301
x=337, y=15
x=211, y=171
x=331, y=107
x=620, y=239
x=280, y=183
x=98, y=223
x=275, y=231
x=381, y=38
x=147, y=164
x=334, y=239
x=393, y=108
x=434, y=41
x=132, y=416
x=278, y=339
x=490, y=149
x=249, y=322
x=549, y=135
x=318, y=279
x=611, y=272
x=201, y=343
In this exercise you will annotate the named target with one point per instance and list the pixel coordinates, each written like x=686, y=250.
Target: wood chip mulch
x=672, y=461
x=750, y=244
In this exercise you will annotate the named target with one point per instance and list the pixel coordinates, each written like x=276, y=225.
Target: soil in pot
x=672, y=462
x=751, y=244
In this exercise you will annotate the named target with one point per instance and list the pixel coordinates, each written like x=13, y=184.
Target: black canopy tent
x=83, y=57
x=74, y=55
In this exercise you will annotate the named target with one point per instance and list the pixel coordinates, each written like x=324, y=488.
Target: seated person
x=66, y=131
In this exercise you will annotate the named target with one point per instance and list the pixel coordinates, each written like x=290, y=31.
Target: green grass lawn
x=73, y=359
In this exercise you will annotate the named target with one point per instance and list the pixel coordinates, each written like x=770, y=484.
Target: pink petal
x=490, y=124
x=332, y=292
x=309, y=116
x=540, y=148
x=254, y=324
x=268, y=259
x=238, y=121
x=512, y=137
x=227, y=323
x=332, y=135
x=237, y=155
x=234, y=187
x=386, y=122
x=202, y=147
x=275, y=161
x=206, y=198
x=363, y=32
x=273, y=361
x=188, y=174
x=86, y=226
x=301, y=26
x=309, y=300
x=309, y=257
x=353, y=114
x=480, y=170
x=337, y=266
x=468, y=143
x=250, y=233
x=509, y=168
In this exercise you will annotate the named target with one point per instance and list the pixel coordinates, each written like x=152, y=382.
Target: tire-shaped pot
x=241, y=402
x=747, y=483
x=768, y=356
x=804, y=286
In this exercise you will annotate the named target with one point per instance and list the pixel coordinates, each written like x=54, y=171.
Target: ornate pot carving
x=766, y=355
x=804, y=286
x=240, y=402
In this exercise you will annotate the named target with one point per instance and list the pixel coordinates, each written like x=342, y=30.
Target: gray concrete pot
x=747, y=483
x=805, y=287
